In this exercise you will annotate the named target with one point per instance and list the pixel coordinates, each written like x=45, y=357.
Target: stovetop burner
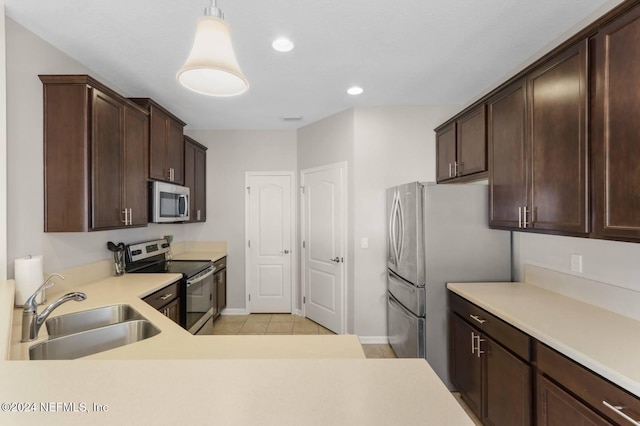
x=153, y=257
x=187, y=268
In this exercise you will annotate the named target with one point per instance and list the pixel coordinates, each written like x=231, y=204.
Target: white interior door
x=324, y=227
x=269, y=241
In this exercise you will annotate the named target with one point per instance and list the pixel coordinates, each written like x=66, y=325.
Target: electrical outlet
x=364, y=242
x=576, y=263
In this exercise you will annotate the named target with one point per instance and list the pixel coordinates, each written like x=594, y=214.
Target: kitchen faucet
x=31, y=321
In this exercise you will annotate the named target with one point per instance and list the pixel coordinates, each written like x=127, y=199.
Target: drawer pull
x=166, y=296
x=618, y=410
x=477, y=318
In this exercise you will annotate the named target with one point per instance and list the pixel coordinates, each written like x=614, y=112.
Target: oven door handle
x=199, y=278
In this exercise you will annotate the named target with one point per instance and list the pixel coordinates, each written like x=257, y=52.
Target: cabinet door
x=445, y=153
x=464, y=363
x=106, y=157
x=507, y=168
x=616, y=128
x=136, y=148
x=172, y=311
x=175, y=151
x=557, y=108
x=508, y=387
x=472, y=143
x=200, y=211
x=190, y=177
x=159, y=134
x=555, y=407
x=222, y=289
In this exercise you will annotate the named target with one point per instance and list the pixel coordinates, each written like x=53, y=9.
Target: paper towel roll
x=28, y=277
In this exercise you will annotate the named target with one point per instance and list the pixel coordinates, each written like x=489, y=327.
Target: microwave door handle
x=183, y=198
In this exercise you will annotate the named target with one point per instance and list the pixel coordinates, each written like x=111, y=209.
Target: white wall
x=324, y=142
x=392, y=145
x=230, y=154
x=27, y=56
x=611, y=262
x=3, y=151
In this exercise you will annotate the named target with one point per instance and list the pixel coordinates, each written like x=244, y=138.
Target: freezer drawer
x=410, y=296
x=406, y=331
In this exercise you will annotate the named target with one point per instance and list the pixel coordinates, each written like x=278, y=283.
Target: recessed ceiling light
x=282, y=45
x=295, y=117
x=355, y=90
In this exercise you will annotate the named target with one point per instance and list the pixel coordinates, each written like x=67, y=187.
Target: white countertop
x=601, y=340
x=178, y=378
x=232, y=392
x=174, y=342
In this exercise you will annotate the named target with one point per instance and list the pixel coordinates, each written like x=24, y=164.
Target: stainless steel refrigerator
x=437, y=234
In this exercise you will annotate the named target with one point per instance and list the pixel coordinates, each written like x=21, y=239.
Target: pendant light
x=211, y=68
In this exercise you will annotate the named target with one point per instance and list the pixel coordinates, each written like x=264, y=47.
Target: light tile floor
x=280, y=324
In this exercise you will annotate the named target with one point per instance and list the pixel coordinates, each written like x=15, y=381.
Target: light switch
x=364, y=242
x=576, y=263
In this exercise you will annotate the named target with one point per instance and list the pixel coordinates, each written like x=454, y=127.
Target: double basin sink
x=89, y=332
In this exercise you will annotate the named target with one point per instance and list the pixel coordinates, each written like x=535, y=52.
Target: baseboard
x=233, y=311
x=298, y=312
x=374, y=340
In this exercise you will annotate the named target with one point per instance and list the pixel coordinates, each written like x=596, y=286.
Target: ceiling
x=402, y=52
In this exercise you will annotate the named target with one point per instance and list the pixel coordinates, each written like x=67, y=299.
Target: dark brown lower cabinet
x=167, y=301
x=494, y=383
x=555, y=407
x=466, y=367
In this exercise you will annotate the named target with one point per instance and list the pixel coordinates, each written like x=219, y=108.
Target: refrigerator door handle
x=401, y=229
x=392, y=228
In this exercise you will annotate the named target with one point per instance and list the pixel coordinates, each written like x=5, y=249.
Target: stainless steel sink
x=90, y=319
x=90, y=342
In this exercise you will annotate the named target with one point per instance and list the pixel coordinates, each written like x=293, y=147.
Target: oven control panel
x=147, y=249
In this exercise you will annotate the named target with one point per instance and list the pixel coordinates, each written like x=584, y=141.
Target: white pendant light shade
x=212, y=68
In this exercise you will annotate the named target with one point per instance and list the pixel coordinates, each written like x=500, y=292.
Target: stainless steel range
x=197, y=291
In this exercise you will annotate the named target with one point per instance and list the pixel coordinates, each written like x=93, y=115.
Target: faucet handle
x=31, y=301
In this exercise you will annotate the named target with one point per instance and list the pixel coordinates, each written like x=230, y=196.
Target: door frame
x=343, y=223
x=294, y=235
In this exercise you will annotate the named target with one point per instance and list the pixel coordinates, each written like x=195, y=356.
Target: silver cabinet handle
x=480, y=351
x=449, y=169
x=524, y=214
x=130, y=216
x=455, y=169
x=519, y=217
x=473, y=342
x=125, y=216
x=618, y=410
x=198, y=215
x=477, y=318
x=166, y=296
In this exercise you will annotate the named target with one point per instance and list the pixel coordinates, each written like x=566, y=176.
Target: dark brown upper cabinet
x=95, y=142
x=538, y=148
x=195, y=177
x=557, y=95
x=507, y=161
x=166, y=143
x=615, y=132
x=461, y=147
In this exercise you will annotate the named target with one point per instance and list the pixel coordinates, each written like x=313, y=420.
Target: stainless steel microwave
x=169, y=203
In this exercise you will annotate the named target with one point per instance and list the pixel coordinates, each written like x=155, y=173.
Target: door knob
x=284, y=252
x=337, y=259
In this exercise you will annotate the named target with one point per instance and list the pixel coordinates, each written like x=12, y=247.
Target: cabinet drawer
x=163, y=296
x=507, y=335
x=586, y=385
